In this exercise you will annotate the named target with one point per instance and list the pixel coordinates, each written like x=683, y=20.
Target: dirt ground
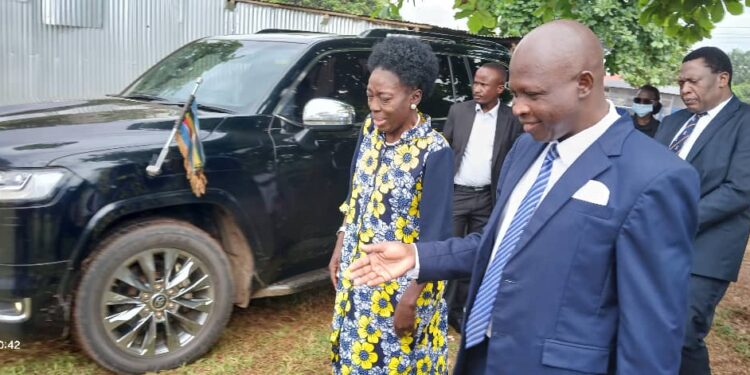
x=729, y=341
x=289, y=335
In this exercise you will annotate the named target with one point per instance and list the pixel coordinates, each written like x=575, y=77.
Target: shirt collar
x=492, y=112
x=711, y=113
x=572, y=147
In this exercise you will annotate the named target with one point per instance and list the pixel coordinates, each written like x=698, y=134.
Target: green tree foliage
x=740, y=66
x=355, y=7
x=690, y=20
x=645, y=39
x=639, y=53
x=741, y=74
x=742, y=91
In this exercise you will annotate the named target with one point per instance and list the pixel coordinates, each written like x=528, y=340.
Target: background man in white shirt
x=481, y=132
x=712, y=134
x=584, y=264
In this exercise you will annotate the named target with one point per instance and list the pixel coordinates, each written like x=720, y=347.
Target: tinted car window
x=437, y=104
x=237, y=75
x=340, y=75
x=461, y=79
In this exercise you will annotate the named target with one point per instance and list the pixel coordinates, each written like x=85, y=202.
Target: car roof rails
x=444, y=35
x=280, y=31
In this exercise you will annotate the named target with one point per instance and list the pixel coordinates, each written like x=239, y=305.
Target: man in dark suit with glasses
x=712, y=134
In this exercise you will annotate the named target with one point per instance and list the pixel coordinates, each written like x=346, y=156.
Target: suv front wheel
x=156, y=295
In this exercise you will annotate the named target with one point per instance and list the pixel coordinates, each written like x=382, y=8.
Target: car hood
x=33, y=135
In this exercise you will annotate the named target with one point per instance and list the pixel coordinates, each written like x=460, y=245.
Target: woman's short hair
x=655, y=92
x=410, y=59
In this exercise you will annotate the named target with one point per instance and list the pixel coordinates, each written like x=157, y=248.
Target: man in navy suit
x=713, y=134
x=584, y=264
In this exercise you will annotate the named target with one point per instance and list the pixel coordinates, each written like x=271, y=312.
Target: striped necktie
x=481, y=311
x=677, y=144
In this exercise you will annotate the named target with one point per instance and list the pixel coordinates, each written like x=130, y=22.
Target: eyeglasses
x=643, y=101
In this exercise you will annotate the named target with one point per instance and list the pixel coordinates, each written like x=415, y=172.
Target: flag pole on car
x=186, y=129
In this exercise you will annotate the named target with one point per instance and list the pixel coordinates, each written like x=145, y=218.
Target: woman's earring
x=413, y=106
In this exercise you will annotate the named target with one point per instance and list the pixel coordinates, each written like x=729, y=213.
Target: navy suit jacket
x=721, y=155
x=590, y=288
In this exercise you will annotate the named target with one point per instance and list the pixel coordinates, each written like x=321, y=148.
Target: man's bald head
x=562, y=64
x=564, y=44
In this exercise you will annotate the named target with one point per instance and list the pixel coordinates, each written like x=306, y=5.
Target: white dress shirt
x=476, y=163
x=569, y=150
x=699, y=128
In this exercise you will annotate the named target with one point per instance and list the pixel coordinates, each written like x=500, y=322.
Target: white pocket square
x=593, y=192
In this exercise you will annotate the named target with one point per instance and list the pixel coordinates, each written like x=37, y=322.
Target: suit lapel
x=595, y=162
x=465, y=121
x=526, y=159
x=713, y=127
x=500, y=134
x=590, y=164
x=518, y=170
x=464, y=130
x=672, y=125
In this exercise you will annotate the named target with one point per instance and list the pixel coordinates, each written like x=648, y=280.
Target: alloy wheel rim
x=157, y=302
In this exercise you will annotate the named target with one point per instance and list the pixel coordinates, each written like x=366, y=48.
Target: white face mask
x=641, y=110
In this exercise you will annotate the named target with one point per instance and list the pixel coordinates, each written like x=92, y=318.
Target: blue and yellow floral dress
x=399, y=192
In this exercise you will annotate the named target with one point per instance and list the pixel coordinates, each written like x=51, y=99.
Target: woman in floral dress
x=401, y=190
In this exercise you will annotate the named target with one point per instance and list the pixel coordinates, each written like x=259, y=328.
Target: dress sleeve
x=436, y=205
x=355, y=156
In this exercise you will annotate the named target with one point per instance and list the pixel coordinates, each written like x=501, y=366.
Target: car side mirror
x=327, y=114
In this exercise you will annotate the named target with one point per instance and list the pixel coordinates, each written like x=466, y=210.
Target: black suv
x=142, y=271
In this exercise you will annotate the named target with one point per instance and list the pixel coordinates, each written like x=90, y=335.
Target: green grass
x=54, y=364
x=285, y=335
x=731, y=325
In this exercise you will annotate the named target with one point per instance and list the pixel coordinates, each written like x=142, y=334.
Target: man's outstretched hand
x=382, y=262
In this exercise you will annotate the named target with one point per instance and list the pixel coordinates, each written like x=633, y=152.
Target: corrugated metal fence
x=63, y=49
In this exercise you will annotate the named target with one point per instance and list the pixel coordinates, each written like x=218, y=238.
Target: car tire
x=155, y=295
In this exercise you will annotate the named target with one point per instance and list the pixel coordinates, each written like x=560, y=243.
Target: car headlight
x=29, y=184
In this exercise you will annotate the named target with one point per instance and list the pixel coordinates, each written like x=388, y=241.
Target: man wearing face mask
x=645, y=105
x=712, y=134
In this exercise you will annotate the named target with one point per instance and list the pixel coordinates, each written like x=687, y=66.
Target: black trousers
x=471, y=210
x=705, y=294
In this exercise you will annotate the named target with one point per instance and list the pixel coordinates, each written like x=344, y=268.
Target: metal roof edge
x=417, y=26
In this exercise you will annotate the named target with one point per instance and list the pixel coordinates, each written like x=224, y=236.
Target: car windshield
x=237, y=74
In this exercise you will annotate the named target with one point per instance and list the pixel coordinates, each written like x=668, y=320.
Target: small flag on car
x=191, y=148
